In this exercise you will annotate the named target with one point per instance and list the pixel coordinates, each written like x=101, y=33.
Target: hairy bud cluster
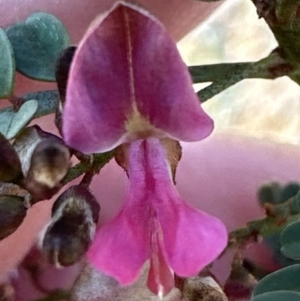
x=74, y=218
x=45, y=160
x=31, y=169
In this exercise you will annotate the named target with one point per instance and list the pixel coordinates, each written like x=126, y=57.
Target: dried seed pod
x=12, y=214
x=49, y=164
x=73, y=226
x=10, y=166
x=202, y=289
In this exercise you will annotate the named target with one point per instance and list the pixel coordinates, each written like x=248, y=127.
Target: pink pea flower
x=128, y=85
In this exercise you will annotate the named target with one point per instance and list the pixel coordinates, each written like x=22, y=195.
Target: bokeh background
x=260, y=108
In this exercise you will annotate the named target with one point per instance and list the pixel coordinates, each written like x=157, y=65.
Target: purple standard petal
x=163, y=85
x=98, y=92
x=127, y=81
x=156, y=224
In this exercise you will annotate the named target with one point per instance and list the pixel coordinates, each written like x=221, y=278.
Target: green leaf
x=12, y=122
x=37, y=43
x=291, y=250
x=278, y=296
x=290, y=240
x=47, y=101
x=284, y=279
x=289, y=190
x=7, y=66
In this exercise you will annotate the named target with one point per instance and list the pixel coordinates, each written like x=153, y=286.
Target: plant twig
x=278, y=216
x=225, y=75
x=99, y=160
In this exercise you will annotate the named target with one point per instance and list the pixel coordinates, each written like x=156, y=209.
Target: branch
x=278, y=216
x=99, y=160
x=226, y=75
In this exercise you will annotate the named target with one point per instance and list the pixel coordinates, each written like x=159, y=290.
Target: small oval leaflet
x=12, y=122
x=47, y=101
x=37, y=43
x=289, y=190
x=283, y=279
x=7, y=66
x=290, y=240
x=278, y=296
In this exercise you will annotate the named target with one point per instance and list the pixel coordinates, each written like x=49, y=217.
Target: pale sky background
x=261, y=108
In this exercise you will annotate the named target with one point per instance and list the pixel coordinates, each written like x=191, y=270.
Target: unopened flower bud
x=45, y=160
x=10, y=166
x=74, y=218
x=12, y=214
x=50, y=162
x=25, y=144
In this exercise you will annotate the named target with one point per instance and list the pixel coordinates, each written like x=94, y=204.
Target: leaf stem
x=99, y=160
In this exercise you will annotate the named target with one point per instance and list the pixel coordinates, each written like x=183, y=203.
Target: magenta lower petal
x=121, y=247
x=192, y=239
x=156, y=224
x=183, y=226
x=127, y=81
x=160, y=278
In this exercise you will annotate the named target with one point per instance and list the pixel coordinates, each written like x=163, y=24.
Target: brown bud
x=12, y=214
x=49, y=164
x=10, y=166
x=74, y=218
x=25, y=144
